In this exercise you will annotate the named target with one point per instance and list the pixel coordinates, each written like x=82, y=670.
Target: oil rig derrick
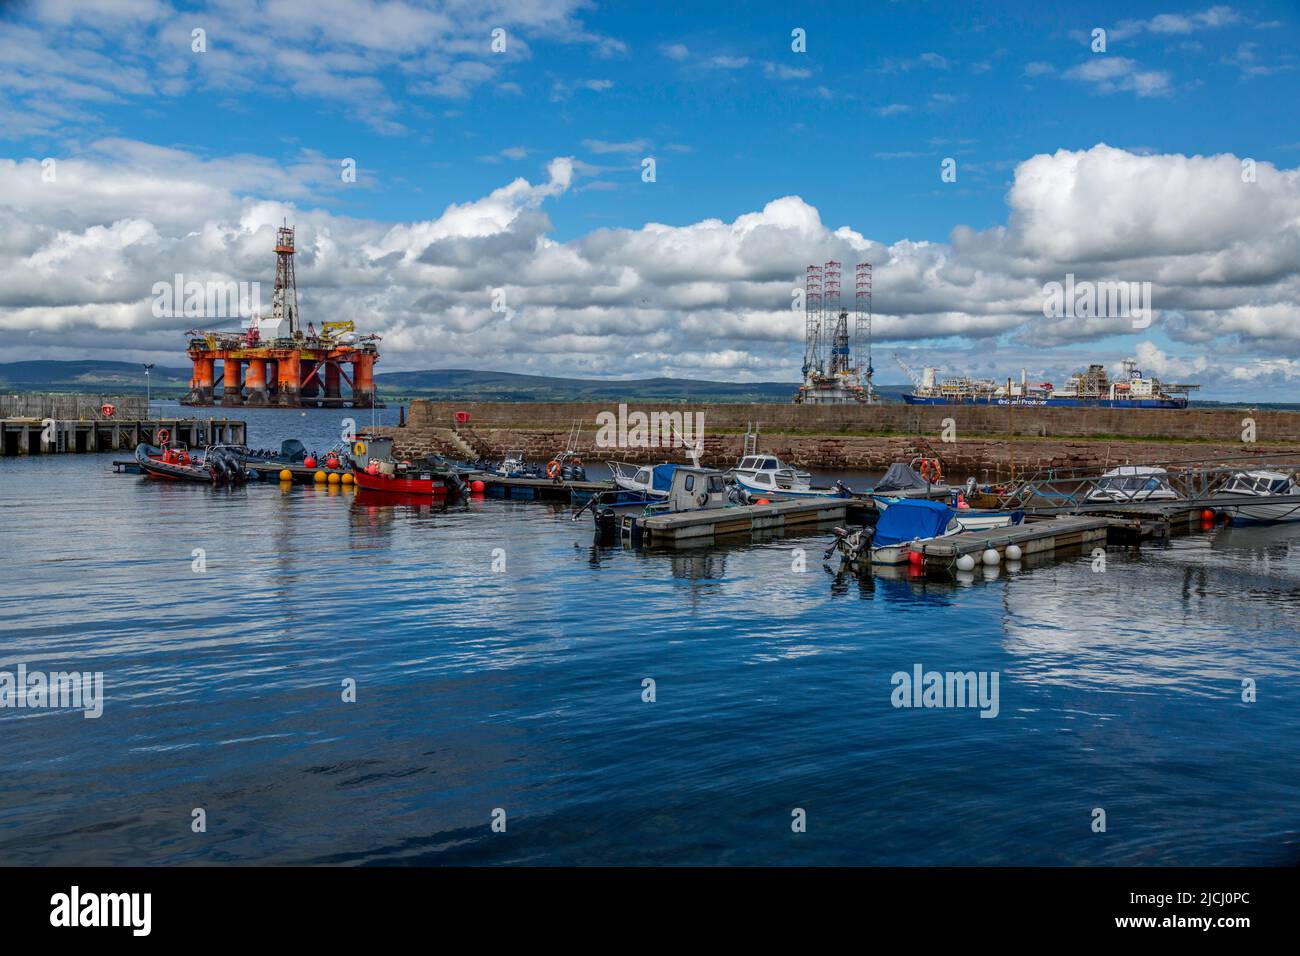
x=837, y=366
x=273, y=362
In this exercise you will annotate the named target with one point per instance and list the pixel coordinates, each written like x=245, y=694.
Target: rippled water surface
x=522, y=690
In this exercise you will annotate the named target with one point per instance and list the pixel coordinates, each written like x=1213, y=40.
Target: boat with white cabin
x=1129, y=483
x=1247, y=494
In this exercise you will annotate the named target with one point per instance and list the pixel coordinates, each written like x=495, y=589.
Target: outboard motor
x=737, y=495
x=840, y=488
x=607, y=522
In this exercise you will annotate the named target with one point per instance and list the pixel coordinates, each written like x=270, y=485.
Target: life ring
x=359, y=449
x=553, y=468
x=931, y=471
x=107, y=409
x=163, y=436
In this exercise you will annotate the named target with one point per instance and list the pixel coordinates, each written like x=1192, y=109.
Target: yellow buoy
x=320, y=477
x=347, y=478
x=286, y=474
x=334, y=479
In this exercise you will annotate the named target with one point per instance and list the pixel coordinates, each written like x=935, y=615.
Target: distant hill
x=452, y=384
x=90, y=376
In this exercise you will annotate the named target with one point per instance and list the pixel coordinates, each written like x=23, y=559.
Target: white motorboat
x=1130, y=483
x=1249, y=493
x=766, y=476
x=641, y=478
x=751, y=466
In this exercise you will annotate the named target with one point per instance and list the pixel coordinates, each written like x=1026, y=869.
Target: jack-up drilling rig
x=285, y=366
x=835, y=369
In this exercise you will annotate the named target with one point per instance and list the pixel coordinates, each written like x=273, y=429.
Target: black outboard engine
x=737, y=495
x=607, y=522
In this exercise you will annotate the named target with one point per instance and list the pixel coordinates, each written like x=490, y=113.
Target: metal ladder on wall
x=751, y=439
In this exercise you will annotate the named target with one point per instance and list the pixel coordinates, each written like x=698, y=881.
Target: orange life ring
x=553, y=468
x=931, y=471
x=163, y=436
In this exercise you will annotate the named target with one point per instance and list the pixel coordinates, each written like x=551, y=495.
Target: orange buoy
x=319, y=477
x=762, y=501
x=916, y=558
x=286, y=474
x=331, y=462
x=1207, y=515
x=333, y=479
x=477, y=485
x=309, y=461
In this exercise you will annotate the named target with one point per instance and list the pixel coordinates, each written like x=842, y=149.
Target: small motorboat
x=515, y=466
x=173, y=462
x=653, y=481
x=753, y=468
x=1247, y=493
x=400, y=478
x=766, y=476
x=1130, y=483
x=906, y=522
x=292, y=452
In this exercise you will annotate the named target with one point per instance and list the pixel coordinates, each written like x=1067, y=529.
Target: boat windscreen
x=663, y=477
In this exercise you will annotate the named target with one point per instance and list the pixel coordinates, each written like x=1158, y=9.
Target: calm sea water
x=522, y=690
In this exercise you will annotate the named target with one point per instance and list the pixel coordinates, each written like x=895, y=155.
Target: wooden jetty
x=691, y=529
x=50, y=436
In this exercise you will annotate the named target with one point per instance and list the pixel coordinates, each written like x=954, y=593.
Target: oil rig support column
x=290, y=370
x=333, y=396
x=201, y=382
x=231, y=393
x=363, y=381
x=255, y=381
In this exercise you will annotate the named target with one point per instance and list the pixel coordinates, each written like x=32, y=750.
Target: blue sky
x=856, y=127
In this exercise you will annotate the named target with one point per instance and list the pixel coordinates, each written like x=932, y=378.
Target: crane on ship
x=907, y=370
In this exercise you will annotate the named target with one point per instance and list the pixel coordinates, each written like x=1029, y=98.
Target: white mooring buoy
x=991, y=557
x=965, y=563
x=1013, y=552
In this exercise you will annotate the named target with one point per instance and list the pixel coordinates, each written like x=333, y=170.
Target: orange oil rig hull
x=283, y=376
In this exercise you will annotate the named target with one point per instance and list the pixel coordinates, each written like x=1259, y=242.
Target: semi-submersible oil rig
x=274, y=362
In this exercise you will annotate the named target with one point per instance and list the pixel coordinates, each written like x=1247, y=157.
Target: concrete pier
x=49, y=436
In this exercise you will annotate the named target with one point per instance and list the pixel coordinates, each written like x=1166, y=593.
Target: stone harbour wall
x=990, y=443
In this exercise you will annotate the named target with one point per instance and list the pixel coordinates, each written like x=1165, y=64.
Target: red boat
x=412, y=483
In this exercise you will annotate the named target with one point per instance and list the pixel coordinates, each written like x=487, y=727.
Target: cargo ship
x=1091, y=388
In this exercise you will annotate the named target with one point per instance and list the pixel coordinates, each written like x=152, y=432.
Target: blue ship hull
x=1053, y=402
